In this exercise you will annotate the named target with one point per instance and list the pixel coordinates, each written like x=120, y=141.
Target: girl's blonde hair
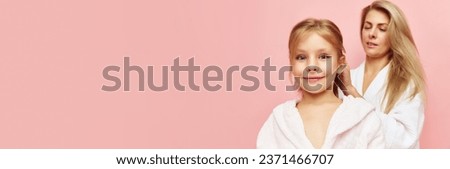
x=405, y=65
x=324, y=28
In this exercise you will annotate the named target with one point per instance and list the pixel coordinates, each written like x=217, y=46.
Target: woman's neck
x=375, y=64
x=326, y=96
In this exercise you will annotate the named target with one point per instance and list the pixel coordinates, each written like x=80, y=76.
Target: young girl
x=320, y=119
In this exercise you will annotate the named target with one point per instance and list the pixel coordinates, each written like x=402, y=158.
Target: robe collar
x=350, y=113
x=378, y=83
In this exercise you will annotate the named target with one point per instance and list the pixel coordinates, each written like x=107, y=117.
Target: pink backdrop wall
x=53, y=53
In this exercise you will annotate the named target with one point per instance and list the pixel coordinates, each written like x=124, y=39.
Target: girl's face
x=314, y=62
x=374, y=34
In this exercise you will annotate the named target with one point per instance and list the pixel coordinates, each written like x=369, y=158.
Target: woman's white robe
x=403, y=125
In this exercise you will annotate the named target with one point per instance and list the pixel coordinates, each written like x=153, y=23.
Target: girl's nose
x=312, y=68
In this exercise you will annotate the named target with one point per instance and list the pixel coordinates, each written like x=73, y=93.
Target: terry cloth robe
x=403, y=125
x=354, y=124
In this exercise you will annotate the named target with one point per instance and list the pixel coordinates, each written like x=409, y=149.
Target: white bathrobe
x=353, y=125
x=403, y=125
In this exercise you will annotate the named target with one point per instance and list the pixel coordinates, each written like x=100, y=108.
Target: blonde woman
x=391, y=77
x=320, y=119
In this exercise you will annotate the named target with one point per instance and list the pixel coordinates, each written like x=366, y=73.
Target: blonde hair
x=405, y=65
x=324, y=28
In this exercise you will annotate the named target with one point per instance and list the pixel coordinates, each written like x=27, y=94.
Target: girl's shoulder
x=286, y=106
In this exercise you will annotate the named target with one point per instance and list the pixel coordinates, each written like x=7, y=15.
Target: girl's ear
x=342, y=60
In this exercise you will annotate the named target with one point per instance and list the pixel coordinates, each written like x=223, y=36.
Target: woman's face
x=314, y=62
x=375, y=39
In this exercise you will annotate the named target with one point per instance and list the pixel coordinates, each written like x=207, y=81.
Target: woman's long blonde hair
x=405, y=68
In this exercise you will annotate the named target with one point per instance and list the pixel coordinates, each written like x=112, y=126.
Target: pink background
x=53, y=53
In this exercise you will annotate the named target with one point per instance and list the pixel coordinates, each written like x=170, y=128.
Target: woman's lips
x=371, y=44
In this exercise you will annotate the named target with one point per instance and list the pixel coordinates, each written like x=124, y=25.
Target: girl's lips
x=313, y=79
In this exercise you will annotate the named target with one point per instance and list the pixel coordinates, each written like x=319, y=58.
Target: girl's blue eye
x=300, y=57
x=324, y=56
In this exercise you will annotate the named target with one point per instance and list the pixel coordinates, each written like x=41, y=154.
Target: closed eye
x=367, y=26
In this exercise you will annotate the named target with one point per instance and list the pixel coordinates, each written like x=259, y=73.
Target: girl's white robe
x=353, y=125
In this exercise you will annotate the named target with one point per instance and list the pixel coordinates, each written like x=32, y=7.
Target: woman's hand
x=345, y=78
x=345, y=82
